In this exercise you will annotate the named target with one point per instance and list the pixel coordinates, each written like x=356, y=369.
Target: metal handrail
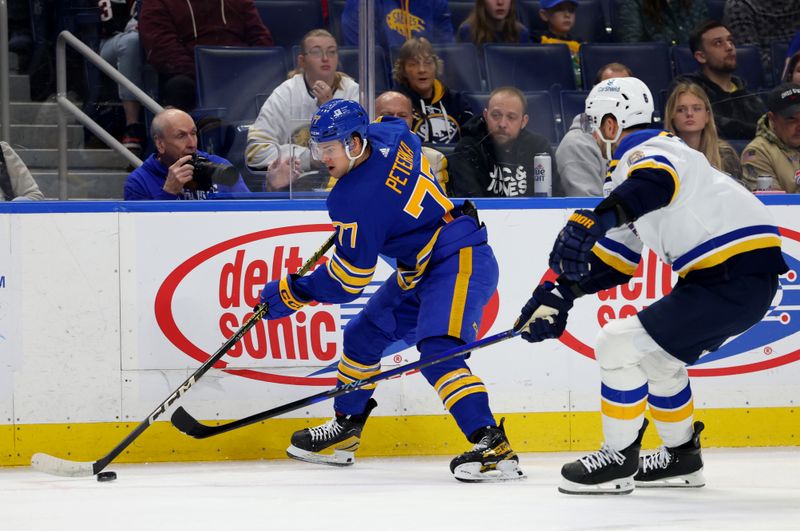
x=5, y=93
x=64, y=105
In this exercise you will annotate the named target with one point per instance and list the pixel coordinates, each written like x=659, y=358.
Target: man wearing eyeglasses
x=278, y=139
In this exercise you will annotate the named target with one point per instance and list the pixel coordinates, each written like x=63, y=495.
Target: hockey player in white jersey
x=724, y=246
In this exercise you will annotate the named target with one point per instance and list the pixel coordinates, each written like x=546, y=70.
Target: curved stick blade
x=61, y=467
x=186, y=423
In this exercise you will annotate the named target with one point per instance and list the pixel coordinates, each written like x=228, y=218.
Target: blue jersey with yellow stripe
x=694, y=217
x=391, y=204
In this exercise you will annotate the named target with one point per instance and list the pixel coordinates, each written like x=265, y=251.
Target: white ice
x=746, y=489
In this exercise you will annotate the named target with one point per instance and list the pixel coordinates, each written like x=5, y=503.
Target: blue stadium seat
x=461, y=67
x=748, y=64
x=348, y=63
x=529, y=66
x=573, y=103
x=716, y=9
x=591, y=21
x=738, y=145
x=777, y=53
x=459, y=11
x=290, y=20
x=541, y=115
x=229, y=78
x=335, y=9
x=649, y=61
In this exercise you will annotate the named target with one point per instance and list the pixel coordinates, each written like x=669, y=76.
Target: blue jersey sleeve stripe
x=613, y=261
x=621, y=249
x=721, y=241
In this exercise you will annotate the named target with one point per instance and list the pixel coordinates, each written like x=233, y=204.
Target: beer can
x=542, y=175
x=763, y=183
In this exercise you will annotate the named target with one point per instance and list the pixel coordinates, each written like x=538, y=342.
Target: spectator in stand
x=400, y=20
x=736, y=109
x=177, y=169
x=762, y=22
x=775, y=151
x=393, y=103
x=439, y=113
x=668, y=21
x=559, y=15
x=16, y=181
x=170, y=29
x=580, y=157
x=494, y=158
x=120, y=47
x=279, y=135
x=792, y=73
x=493, y=21
x=688, y=115
x=794, y=49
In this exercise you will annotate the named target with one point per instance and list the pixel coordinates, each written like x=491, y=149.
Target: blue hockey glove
x=544, y=316
x=570, y=254
x=280, y=299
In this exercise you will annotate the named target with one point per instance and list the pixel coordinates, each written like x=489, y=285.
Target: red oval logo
x=308, y=328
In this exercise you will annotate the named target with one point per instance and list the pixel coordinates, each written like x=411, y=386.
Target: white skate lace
x=658, y=460
x=603, y=457
x=329, y=430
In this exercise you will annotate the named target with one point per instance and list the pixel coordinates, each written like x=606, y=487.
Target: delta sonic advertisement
x=192, y=289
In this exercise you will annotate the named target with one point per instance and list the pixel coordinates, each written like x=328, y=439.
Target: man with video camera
x=178, y=170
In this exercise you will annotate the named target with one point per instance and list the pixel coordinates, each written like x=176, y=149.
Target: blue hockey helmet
x=338, y=120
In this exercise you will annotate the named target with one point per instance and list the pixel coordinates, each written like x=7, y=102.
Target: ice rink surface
x=746, y=489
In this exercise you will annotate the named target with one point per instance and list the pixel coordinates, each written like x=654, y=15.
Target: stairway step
x=45, y=136
x=19, y=87
x=76, y=159
x=83, y=184
x=28, y=112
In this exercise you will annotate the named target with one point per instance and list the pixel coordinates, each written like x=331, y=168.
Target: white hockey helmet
x=625, y=98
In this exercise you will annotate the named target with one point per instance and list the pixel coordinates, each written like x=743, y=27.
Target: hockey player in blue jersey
x=387, y=202
x=719, y=239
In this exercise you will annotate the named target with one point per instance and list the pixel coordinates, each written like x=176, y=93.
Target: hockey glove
x=570, y=254
x=544, y=316
x=280, y=299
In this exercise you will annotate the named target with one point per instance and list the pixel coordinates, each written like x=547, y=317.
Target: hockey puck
x=106, y=476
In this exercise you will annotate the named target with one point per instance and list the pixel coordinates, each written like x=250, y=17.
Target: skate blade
x=618, y=486
x=695, y=480
x=504, y=471
x=337, y=458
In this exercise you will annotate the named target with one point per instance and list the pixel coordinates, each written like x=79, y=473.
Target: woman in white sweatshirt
x=280, y=132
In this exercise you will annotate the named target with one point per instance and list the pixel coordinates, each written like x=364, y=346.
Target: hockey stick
x=64, y=467
x=182, y=420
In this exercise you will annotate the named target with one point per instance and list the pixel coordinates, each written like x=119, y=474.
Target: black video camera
x=206, y=173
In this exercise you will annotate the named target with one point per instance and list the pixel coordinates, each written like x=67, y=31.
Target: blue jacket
x=147, y=182
x=428, y=18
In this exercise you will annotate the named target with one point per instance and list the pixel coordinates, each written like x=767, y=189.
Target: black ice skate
x=491, y=459
x=606, y=471
x=334, y=443
x=681, y=466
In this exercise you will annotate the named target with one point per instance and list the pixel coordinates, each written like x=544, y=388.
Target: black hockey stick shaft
x=186, y=423
x=65, y=467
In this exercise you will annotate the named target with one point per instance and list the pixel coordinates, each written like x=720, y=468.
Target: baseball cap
x=548, y=4
x=784, y=100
